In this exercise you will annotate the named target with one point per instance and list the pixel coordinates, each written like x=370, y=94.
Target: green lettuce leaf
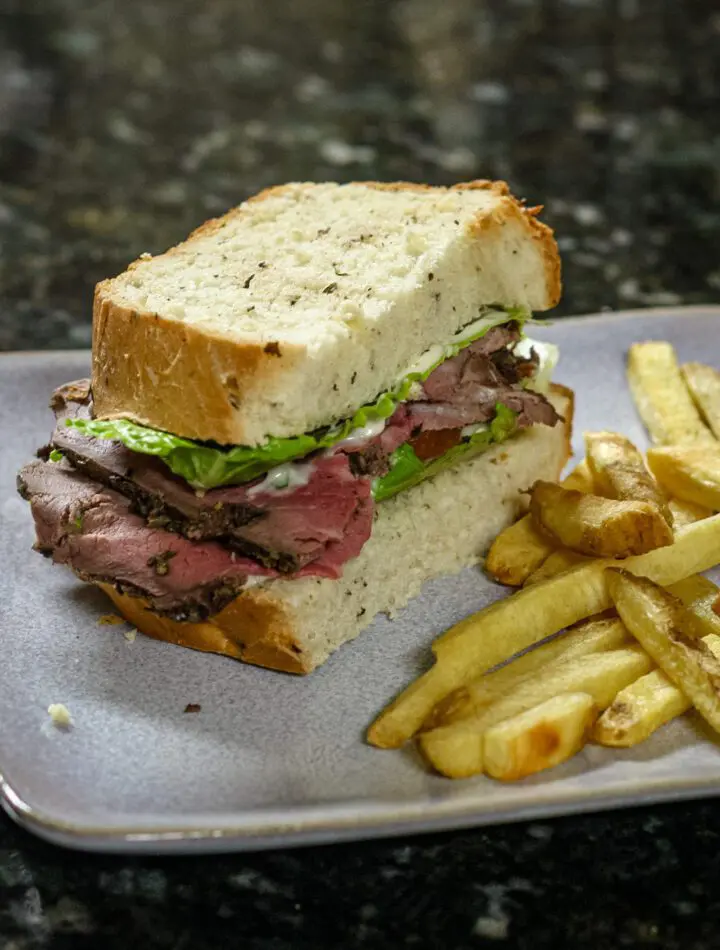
x=205, y=466
x=408, y=470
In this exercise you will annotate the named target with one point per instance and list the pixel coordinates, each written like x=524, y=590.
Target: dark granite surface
x=633, y=879
x=122, y=125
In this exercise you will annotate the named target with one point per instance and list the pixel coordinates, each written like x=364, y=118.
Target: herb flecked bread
x=308, y=300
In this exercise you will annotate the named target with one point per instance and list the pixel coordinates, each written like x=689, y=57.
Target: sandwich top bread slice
x=258, y=429
x=306, y=302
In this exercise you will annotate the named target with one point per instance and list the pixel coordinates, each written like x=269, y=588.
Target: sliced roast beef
x=91, y=528
x=372, y=458
x=467, y=389
x=283, y=529
x=306, y=520
x=532, y=409
x=117, y=515
x=480, y=366
x=72, y=400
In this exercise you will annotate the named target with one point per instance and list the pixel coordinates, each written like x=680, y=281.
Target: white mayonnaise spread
x=548, y=356
x=289, y=475
x=364, y=434
x=467, y=431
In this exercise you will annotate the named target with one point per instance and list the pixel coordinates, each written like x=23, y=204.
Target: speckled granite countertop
x=633, y=879
x=124, y=125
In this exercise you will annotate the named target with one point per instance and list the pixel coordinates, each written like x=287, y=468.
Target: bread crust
x=171, y=375
x=255, y=628
x=258, y=627
x=206, y=378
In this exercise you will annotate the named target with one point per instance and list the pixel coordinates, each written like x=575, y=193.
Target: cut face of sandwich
x=147, y=491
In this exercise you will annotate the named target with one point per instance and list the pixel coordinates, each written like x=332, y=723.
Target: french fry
x=457, y=750
x=509, y=626
x=538, y=738
x=691, y=472
x=639, y=710
x=592, y=636
x=699, y=595
x=661, y=396
x=520, y=549
x=619, y=471
x=685, y=512
x=599, y=527
x=642, y=707
x=517, y=552
x=704, y=385
x=669, y=633
x=559, y=561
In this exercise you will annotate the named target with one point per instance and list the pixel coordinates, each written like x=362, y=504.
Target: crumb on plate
x=60, y=715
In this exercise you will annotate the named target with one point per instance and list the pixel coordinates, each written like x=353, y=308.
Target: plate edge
x=318, y=830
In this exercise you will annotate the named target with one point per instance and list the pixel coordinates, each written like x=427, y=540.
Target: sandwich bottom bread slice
x=438, y=527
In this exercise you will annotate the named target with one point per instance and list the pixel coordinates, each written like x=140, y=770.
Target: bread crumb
x=60, y=715
x=110, y=620
x=130, y=635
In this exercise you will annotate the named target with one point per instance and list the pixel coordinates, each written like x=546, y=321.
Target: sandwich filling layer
x=184, y=524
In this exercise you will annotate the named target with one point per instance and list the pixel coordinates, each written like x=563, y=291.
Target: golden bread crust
x=211, y=376
x=255, y=628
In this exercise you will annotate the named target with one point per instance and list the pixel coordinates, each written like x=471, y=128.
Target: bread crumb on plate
x=60, y=715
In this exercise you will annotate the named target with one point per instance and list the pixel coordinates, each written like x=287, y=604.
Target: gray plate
x=273, y=759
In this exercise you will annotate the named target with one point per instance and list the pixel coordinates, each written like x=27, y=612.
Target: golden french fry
x=509, y=626
x=639, y=710
x=592, y=636
x=539, y=738
x=691, y=472
x=580, y=479
x=516, y=552
x=457, y=750
x=561, y=560
x=599, y=527
x=669, y=633
x=645, y=705
x=573, y=596
x=704, y=385
x=642, y=707
x=661, y=396
x=685, y=512
x=619, y=471
x=520, y=549
x=699, y=595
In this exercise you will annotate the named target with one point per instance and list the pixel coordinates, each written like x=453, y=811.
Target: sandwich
x=305, y=411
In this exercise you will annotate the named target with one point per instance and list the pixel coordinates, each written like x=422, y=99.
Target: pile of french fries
x=618, y=631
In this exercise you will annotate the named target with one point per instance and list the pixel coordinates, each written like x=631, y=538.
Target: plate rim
x=319, y=825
